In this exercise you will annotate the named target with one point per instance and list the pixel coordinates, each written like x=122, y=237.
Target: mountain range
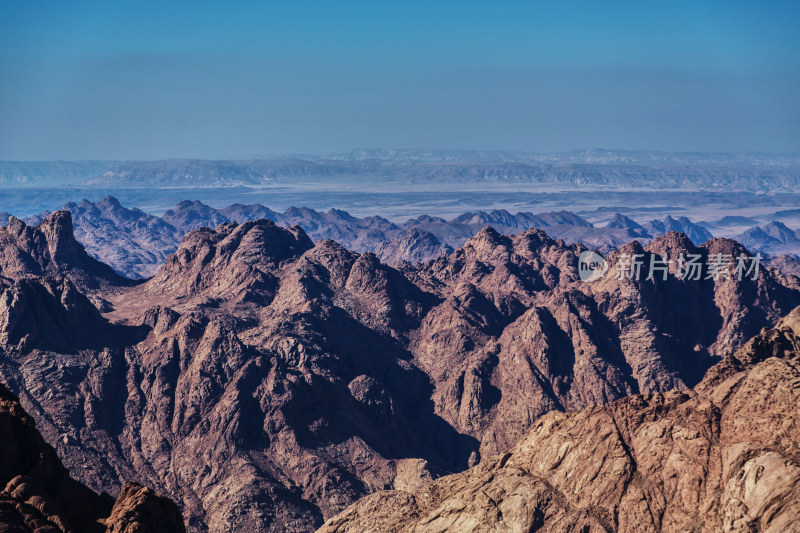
x=265, y=381
x=721, y=457
x=762, y=172
x=205, y=173
x=136, y=243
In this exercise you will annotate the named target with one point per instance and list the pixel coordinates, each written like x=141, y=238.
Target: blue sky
x=143, y=80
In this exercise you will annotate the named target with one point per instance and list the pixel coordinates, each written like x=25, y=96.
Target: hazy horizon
x=323, y=155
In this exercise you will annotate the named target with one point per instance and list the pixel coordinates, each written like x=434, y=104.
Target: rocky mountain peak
x=233, y=259
x=109, y=202
x=725, y=247
x=488, y=241
x=671, y=245
x=532, y=242
x=50, y=248
x=61, y=243
x=632, y=248
x=620, y=221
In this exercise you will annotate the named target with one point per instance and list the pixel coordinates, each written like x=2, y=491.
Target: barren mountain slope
x=517, y=336
x=724, y=456
x=39, y=495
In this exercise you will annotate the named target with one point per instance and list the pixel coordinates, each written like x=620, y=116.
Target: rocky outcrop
x=39, y=495
x=140, y=510
x=722, y=457
x=50, y=249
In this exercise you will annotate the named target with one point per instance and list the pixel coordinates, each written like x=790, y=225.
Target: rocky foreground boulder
x=724, y=456
x=40, y=496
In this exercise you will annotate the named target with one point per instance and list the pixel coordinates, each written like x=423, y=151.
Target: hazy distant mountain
x=596, y=156
x=131, y=241
x=135, y=243
x=772, y=238
x=698, y=234
x=411, y=246
x=786, y=213
x=206, y=173
x=620, y=221
x=593, y=168
x=732, y=220
x=50, y=173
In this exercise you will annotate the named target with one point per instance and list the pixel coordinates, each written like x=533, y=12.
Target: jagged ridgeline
x=267, y=382
x=136, y=243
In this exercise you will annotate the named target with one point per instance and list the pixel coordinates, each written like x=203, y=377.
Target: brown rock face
x=50, y=249
x=230, y=262
x=412, y=246
x=39, y=496
x=265, y=382
x=722, y=457
x=533, y=339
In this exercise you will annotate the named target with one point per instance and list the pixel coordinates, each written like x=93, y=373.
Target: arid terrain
x=266, y=382
x=720, y=457
x=399, y=267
